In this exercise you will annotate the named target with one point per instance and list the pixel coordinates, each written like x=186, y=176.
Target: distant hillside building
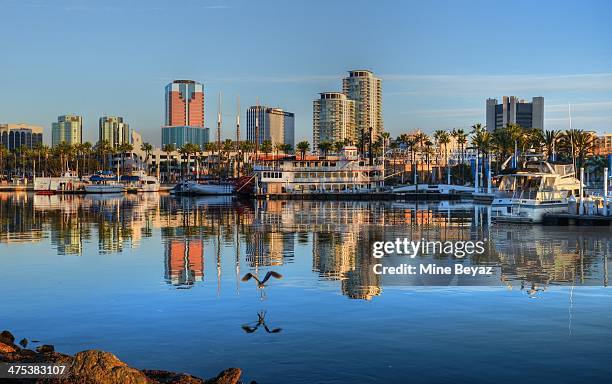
x=275, y=125
x=114, y=130
x=333, y=119
x=67, y=129
x=515, y=111
x=13, y=136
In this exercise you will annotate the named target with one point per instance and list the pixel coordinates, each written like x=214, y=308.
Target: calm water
x=156, y=280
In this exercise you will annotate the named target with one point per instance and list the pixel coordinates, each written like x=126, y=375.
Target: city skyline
x=439, y=61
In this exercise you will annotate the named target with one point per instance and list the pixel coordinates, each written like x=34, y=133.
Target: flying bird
x=262, y=283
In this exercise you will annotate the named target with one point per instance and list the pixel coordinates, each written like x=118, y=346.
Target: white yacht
x=534, y=190
x=190, y=187
x=139, y=181
x=67, y=183
x=104, y=183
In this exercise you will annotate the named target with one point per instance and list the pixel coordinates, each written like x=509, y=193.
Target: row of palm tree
x=417, y=148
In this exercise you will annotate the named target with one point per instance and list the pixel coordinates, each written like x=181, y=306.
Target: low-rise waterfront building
x=603, y=145
x=14, y=136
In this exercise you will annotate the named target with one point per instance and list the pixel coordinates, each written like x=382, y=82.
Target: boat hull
x=192, y=188
x=531, y=211
x=104, y=189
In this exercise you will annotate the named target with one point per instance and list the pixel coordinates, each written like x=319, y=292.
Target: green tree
x=147, y=148
x=303, y=147
x=266, y=147
x=324, y=147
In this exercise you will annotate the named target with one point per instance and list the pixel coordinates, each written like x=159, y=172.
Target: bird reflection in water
x=261, y=321
x=533, y=291
x=261, y=284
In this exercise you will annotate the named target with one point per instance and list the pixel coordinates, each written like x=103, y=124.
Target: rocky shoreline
x=97, y=367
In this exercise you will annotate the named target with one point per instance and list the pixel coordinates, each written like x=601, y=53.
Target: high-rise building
x=184, y=122
x=366, y=89
x=512, y=110
x=333, y=119
x=185, y=104
x=67, y=129
x=114, y=130
x=275, y=125
x=13, y=136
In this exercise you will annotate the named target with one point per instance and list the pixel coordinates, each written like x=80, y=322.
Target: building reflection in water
x=184, y=261
x=266, y=234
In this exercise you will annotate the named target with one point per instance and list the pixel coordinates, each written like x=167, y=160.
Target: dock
x=359, y=196
x=567, y=219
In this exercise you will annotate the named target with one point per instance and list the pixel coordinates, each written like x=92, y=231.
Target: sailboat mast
x=238, y=121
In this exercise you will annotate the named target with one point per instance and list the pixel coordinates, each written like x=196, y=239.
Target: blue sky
x=439, y=60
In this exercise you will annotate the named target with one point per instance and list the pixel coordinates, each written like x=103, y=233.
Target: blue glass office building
x=181, y=135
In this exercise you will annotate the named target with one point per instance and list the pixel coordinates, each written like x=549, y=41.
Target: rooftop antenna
x=219, y=129
x=571, y=135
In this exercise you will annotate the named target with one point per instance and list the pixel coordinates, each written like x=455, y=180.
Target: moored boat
x=139, y=181
x=536, y=189
x=69, y=182
x=190, y=187
x=104, y=183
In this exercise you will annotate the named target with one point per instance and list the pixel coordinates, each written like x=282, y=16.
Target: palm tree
x=4, y=154
x=286, y=148
x=580, y=144
x=443, y=140
x=266, y=147
x=338, y=145
x=303, y=147
x=146, y=148
x=325, y=146
x=461, y=139
x=123, y=149
x=437, y=136
x=168, y=149
x=103, y=149
x=184, y=151
x=551, y=138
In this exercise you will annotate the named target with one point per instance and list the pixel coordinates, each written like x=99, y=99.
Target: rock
x=165, y=377
x=5, y=348
x=7, y=338
x=229, y=376
x=45, y=349
x=105, y=368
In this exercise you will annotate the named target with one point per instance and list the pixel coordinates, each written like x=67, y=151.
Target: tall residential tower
x=366, y=89
x=68, y=129
x=333, y=119
x=184, y=114
x=114, y=130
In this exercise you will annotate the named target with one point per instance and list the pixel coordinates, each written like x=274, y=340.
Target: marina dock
x=566, y=219
x=360, y=196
